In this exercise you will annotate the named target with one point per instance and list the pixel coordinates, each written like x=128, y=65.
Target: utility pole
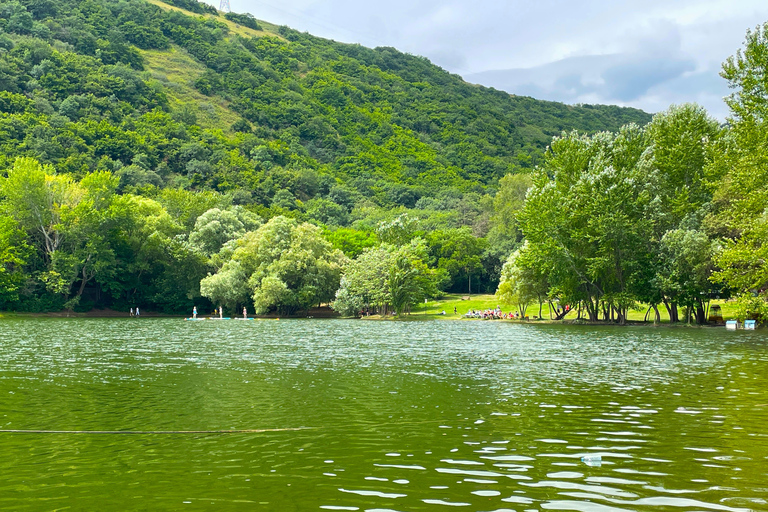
x=224, y=7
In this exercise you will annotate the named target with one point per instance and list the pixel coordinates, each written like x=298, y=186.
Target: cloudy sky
x=642, y=53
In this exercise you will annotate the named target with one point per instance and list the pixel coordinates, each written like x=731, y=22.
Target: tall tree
x=741, y=197
x=288, y=266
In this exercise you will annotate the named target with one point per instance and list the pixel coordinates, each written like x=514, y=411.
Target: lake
x=392, y=416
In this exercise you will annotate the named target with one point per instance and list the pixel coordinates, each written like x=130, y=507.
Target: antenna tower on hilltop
x=225, y=6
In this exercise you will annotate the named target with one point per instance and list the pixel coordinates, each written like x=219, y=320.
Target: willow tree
x=282, y=267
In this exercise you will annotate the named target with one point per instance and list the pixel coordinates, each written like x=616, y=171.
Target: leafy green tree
x=216, y=227
x=685, y=270
x=387, y=278
x=516, y=286
x=37, y=199
x=399, y=231
x=505, y=234
x=326, y=212
x=351, y=242
x=186, y=206
x=594, y=243
x=228, y=287
x=364, y=283
x=680, y=139
x=741, y=162
x=87, y=252
x=14, y=253
x=522, y=283
x=289, y=268
x=410, y=280
x=458, y=252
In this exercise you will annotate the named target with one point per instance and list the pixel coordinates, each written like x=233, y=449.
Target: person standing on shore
x=194, y=312
x=221, y=312
x=131, y=311
x=137, y=312
x=245, y=313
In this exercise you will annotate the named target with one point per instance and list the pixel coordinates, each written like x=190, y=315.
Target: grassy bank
x=433, y=309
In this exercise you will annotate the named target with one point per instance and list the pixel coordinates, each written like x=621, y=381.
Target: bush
x=194, y=6
x=246, y=20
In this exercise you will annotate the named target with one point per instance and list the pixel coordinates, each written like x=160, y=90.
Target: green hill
x=200, y=100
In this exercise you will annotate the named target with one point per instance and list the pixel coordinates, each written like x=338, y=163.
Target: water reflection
x=406, y=416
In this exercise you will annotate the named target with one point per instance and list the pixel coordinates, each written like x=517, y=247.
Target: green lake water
x=409, y=416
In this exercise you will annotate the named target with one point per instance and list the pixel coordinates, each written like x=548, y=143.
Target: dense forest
x=138, y=139
x=163, y=154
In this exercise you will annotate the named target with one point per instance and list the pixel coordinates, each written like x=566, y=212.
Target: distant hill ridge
x=170, y=97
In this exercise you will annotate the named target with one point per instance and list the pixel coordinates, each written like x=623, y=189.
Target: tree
x=68, y=219
x=521, y=282
x=289, y=267
x=741, y=163
x=685, y=270
x=388, y=276
x=505, y=235
x=399, y=231
x=679, y=141
x=745, y=73
x=410, y=279
x=586, y=219
x=228, y=287
x=37, y=198
x=458, y=252
x=216, y=227
x=14, y=252
x=364, y=282
x=88, y=236
x=351, y=242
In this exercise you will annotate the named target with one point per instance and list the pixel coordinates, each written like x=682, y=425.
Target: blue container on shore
x=750, y=325
x=731, y=325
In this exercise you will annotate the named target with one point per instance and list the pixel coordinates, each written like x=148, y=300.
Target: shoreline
x=569, y=322
x=325, y=315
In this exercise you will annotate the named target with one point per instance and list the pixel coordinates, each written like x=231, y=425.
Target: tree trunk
x=674, y=317
x=85, y=278
x=657, y=318
x=701, y=316
x=593, y=310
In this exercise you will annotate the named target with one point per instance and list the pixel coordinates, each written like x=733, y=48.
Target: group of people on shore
x=135, y=312
x=493, y=314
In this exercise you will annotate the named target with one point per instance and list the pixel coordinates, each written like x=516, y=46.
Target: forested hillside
x=172, y=109
x=134, y=118
x=89, y=70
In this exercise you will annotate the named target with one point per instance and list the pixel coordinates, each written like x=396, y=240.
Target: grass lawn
x=432, y=309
